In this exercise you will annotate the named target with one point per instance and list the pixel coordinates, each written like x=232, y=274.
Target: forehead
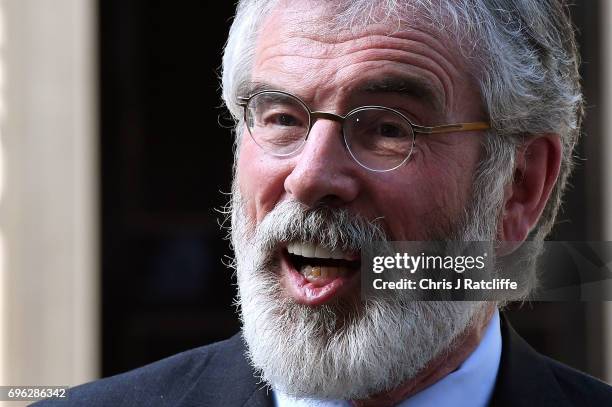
x=304, y=47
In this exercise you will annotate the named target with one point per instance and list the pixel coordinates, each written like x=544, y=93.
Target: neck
x=439, y=367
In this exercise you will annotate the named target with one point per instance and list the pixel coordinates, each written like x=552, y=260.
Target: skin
x=535, y=174
x=428, y=192
x=417, y=201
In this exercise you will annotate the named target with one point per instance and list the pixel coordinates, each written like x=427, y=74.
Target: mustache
x=334, y=228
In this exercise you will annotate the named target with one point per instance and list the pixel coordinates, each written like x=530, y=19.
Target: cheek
x=418, y=210
x=260, y=179
x=449, y=175
x=427, y=201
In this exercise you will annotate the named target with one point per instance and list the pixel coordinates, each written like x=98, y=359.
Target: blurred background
x=114, y=155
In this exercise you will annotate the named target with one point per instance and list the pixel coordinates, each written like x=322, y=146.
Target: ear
x=535, y=174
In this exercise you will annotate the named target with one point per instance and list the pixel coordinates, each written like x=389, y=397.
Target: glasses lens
x=378, y=139
x=277, y=122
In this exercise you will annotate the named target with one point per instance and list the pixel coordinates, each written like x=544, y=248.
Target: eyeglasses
x=378, y=138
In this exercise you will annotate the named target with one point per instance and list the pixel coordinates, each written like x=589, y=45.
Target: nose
x=324, y=171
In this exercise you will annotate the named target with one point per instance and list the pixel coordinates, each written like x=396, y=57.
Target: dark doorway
x=165, y=162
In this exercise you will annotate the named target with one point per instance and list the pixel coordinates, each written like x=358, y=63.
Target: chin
x=343, y=349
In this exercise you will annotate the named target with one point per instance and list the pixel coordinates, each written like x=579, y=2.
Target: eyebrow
x=410, y=86
x=250, y=88
x=402, y=85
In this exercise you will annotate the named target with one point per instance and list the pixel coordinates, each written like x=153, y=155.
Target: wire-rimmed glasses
x=378, y=138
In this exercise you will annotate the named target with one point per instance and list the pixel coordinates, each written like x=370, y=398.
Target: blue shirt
x=471, y=385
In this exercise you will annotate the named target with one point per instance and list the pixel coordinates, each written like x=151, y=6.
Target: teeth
x=308, y=250
x=295, y=248
x=322, y=274
x=337, y=254
x=321, y=252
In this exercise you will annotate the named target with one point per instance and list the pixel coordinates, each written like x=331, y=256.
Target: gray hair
x=521, y=53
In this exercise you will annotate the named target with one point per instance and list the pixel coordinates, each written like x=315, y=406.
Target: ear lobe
x=535, y=174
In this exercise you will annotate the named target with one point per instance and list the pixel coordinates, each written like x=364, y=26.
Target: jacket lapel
x=234, y=383
x=524, y=378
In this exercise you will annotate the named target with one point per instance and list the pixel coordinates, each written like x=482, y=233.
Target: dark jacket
x=220, y=375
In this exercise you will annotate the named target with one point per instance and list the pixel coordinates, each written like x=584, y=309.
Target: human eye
x=282, y=117
x=390, y=130
x=383, y=124
x=379, y=133
x=279, y=123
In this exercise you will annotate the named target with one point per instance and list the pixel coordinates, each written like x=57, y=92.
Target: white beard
x=342, y=350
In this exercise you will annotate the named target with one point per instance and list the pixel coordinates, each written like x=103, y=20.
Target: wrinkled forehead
x=325, y=49
x=342, y=20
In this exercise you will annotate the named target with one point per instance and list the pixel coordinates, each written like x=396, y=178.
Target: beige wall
x=48, y=193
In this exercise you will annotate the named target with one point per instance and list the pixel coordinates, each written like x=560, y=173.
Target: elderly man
x=362, y=121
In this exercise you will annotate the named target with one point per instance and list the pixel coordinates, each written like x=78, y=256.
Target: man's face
x=296, y=329
x=422, y=199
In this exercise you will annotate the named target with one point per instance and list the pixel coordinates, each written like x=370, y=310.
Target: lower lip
x=304, y=292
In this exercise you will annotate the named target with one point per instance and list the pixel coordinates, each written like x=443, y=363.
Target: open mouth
x=320, y=265
x=315, y=275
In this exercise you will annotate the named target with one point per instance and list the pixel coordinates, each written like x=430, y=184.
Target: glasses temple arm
x=448, y=128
